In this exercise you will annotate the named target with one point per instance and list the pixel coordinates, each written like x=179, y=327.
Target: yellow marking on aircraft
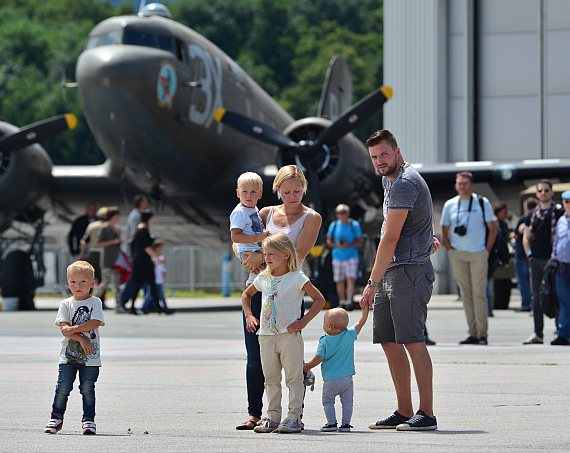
x=71, y=120
x=219, y=114
x=387, y=91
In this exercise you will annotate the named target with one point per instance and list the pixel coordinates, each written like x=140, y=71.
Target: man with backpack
x=468, y=228
x=344, y=237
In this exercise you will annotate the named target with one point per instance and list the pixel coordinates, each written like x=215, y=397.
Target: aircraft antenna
x=141, y=8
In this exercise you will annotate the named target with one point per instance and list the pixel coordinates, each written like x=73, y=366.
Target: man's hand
x=367, y=298
x=436, y=245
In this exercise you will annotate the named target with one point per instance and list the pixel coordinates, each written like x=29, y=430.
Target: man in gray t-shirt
x=400, y=284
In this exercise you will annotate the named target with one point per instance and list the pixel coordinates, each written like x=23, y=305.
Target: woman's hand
x=253, y=262
x=296, y=326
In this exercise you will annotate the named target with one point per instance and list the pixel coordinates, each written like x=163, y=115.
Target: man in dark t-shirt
x=537, y=242
x=521, y=261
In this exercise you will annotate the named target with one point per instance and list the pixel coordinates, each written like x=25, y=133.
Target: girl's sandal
x=249, y=424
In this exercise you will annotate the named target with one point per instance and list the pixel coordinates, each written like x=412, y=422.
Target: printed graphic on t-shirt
x=256, y=224
x=74, y=352
x=269, y=305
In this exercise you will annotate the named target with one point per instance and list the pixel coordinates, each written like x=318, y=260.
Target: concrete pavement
x=181, y=379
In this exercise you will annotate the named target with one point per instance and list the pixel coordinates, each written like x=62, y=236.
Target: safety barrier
x=188, y=267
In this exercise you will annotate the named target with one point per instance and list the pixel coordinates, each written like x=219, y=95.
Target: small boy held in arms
x=78, y=319
x=246, y=226
x=335, y=353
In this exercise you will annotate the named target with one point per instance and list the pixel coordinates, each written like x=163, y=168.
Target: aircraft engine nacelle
x=344, y=169
x=25, y=177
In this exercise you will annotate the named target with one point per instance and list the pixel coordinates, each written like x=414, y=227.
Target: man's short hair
x=81, y=266
x=464, y=174
x=544, y=181
x=380, y=136
x=499, y=206
x=138, y=199
x=531, y=203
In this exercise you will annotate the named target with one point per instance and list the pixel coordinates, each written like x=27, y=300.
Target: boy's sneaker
x=389, y=422
x=89, y=427
x=419, y=422
x=53, y=426
x=288, y=426
x=267, y=426
x=329, y=427
x=345, y=428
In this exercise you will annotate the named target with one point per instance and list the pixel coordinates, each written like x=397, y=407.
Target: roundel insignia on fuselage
x=166, y=85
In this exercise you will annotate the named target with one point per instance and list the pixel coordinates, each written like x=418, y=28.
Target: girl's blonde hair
x=281, y=243
x=289, y=172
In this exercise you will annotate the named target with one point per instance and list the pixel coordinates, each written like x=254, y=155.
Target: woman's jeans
x=254, y=372
x=87, y=377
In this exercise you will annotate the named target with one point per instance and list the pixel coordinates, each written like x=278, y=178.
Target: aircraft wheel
x=17, y=278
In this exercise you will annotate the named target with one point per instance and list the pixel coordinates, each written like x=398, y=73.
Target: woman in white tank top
x=302, y=225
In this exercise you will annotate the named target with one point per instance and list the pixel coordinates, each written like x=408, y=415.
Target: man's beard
x=389, y=170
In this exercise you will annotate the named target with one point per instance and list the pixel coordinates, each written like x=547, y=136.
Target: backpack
x=500, y=252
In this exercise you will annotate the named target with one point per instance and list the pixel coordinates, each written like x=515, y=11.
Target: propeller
x=36, y=132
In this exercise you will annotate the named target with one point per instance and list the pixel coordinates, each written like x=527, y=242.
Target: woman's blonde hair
x=281, y=243
x=289, y=172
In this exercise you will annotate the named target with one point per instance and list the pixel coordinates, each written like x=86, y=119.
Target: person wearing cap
x=561, y=251
x=344, y=237
x=537, y=242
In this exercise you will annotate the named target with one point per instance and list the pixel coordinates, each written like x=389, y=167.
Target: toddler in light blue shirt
x=335, y=353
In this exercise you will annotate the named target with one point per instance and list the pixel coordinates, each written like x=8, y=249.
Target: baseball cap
x=566, y=195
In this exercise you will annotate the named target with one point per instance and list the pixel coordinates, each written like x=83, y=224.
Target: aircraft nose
x=117, y=64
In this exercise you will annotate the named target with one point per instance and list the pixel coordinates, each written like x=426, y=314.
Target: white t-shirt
x=281, y=299
x=77, y=312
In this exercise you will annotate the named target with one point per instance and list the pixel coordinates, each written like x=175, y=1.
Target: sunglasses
x=543, y=190
x=566, y=201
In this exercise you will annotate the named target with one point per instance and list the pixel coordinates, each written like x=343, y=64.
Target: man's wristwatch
x=373, y=283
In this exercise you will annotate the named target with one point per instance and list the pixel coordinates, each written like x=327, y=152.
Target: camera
x=460, y=230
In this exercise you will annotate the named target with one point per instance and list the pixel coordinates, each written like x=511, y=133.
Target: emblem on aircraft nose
x=166, y=85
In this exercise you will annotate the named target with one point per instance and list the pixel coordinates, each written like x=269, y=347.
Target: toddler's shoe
x=89, y=427
x=329, y=428
x=53, y=426
x=309, y=379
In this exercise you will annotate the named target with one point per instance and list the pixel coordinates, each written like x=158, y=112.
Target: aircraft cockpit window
x=105, y=39
x=139, y=38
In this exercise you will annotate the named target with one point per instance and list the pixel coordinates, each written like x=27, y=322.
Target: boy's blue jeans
x=87, y=377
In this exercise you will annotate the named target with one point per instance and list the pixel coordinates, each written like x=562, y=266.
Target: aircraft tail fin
x=336, y=96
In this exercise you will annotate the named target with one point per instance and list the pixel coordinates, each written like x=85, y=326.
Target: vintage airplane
x=178, y=119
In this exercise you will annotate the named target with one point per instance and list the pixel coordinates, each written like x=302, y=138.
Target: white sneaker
x=534, y=339
x=53, y=426
x=289, y=426
x=89, y=427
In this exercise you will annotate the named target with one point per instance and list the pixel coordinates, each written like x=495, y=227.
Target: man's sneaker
x=389, y=422
x=345, y=428
x=560, y=341
x=267, y=426
x=288, y=426
x=53, y=426
x=534, y=339
x=483, y=340
x=429, y=342
x=419, y=422
x=470, y=340
x=329, y=427
x=89, y=427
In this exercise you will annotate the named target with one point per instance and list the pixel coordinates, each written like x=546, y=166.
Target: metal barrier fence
x=188, y=267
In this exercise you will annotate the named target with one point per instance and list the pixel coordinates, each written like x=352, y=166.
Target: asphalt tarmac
x=177, y=383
